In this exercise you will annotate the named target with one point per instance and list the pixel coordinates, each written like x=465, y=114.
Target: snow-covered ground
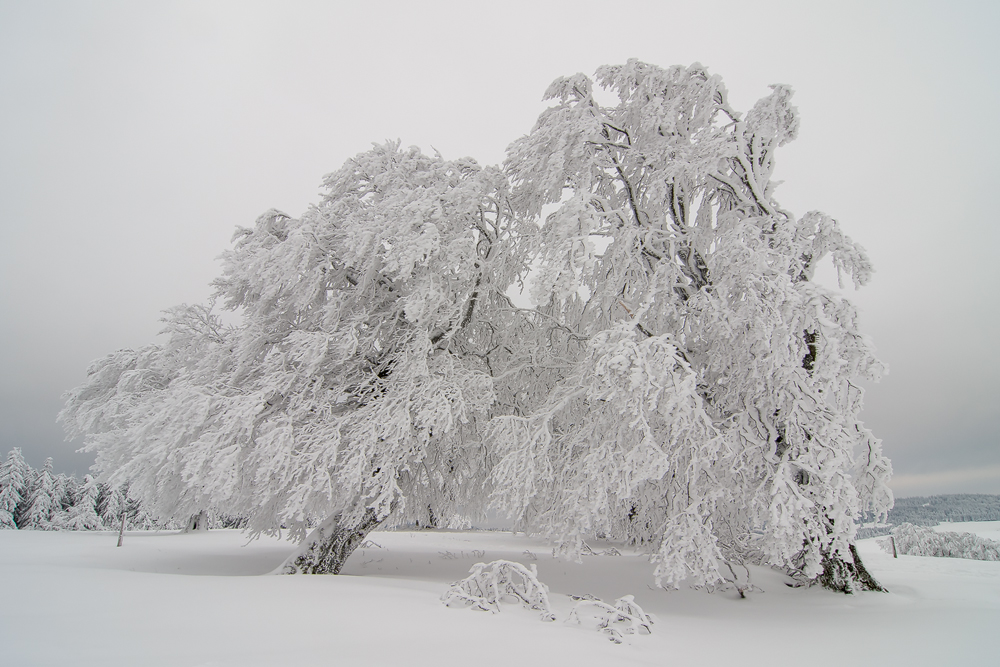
x=207, y=600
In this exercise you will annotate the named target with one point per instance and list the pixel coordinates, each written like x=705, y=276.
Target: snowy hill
x=206, y=600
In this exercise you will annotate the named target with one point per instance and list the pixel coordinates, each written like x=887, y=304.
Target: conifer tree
x=64, y=496
x=42, y=501
x=13, y=482
x=83, y=513
x=110, y=506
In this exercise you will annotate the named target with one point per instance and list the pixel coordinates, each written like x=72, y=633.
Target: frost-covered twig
x=501, y=580
x=625, y=616
x=450, y=555
x=741, y=582
x=588, y=551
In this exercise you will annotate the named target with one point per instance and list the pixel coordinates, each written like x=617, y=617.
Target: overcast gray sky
x=135, y=136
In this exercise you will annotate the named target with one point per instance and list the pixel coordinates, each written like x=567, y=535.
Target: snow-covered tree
x=42, y=500
x=137, y=516
x=704, y=397
x=110, y=505
x=681, y=383
x=83, y=514
x=65, y=492
x=14, y=473
x=351, y=390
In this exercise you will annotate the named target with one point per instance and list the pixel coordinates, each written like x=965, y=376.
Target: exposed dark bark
x=844, y=577
x=330, y=545
x=432, y=519
x=809, y=361
x=197, y=521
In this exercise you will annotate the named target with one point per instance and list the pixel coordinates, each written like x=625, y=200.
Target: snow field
x=196, y=599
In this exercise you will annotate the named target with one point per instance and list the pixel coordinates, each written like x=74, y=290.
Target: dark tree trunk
x=197, y=521
x=844, y=577
x=330, y=545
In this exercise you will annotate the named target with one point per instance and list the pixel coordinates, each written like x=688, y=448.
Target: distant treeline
x=33, y=499
x=932, y=510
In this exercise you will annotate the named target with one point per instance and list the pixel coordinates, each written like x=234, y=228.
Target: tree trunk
x=328, y=547
x=121, y=531
x=841, y=576
x=197, y=521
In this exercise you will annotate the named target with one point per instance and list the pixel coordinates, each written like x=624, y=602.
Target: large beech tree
x=705, y=400
x=680, y=382
x=351, y=391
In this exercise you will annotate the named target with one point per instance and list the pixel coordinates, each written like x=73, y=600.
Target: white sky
x=134, y=137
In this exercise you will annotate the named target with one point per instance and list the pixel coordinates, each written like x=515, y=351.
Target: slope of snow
x=206, y=600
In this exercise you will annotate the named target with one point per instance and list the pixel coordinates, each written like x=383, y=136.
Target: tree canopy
x=679, y=381
x=708, y=388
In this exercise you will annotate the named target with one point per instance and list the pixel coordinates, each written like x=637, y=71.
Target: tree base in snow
x=844, y=577
x=197, y=522
x=329, y=546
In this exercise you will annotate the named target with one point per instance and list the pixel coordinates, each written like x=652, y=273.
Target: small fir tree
x=83, y=514
x=14, y=472
x=110, y=506
x=42, y=500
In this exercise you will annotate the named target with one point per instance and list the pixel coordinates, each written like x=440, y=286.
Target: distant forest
x=932, y=510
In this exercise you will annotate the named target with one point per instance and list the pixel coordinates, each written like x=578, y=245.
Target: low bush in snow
x=501, y=580
x=507, y=581
x=623, y=617
x=917, y=541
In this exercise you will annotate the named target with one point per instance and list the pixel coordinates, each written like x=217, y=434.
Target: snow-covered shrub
x=625, y=616
x=507, y=581
x=917, y=541
x=501, y=580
